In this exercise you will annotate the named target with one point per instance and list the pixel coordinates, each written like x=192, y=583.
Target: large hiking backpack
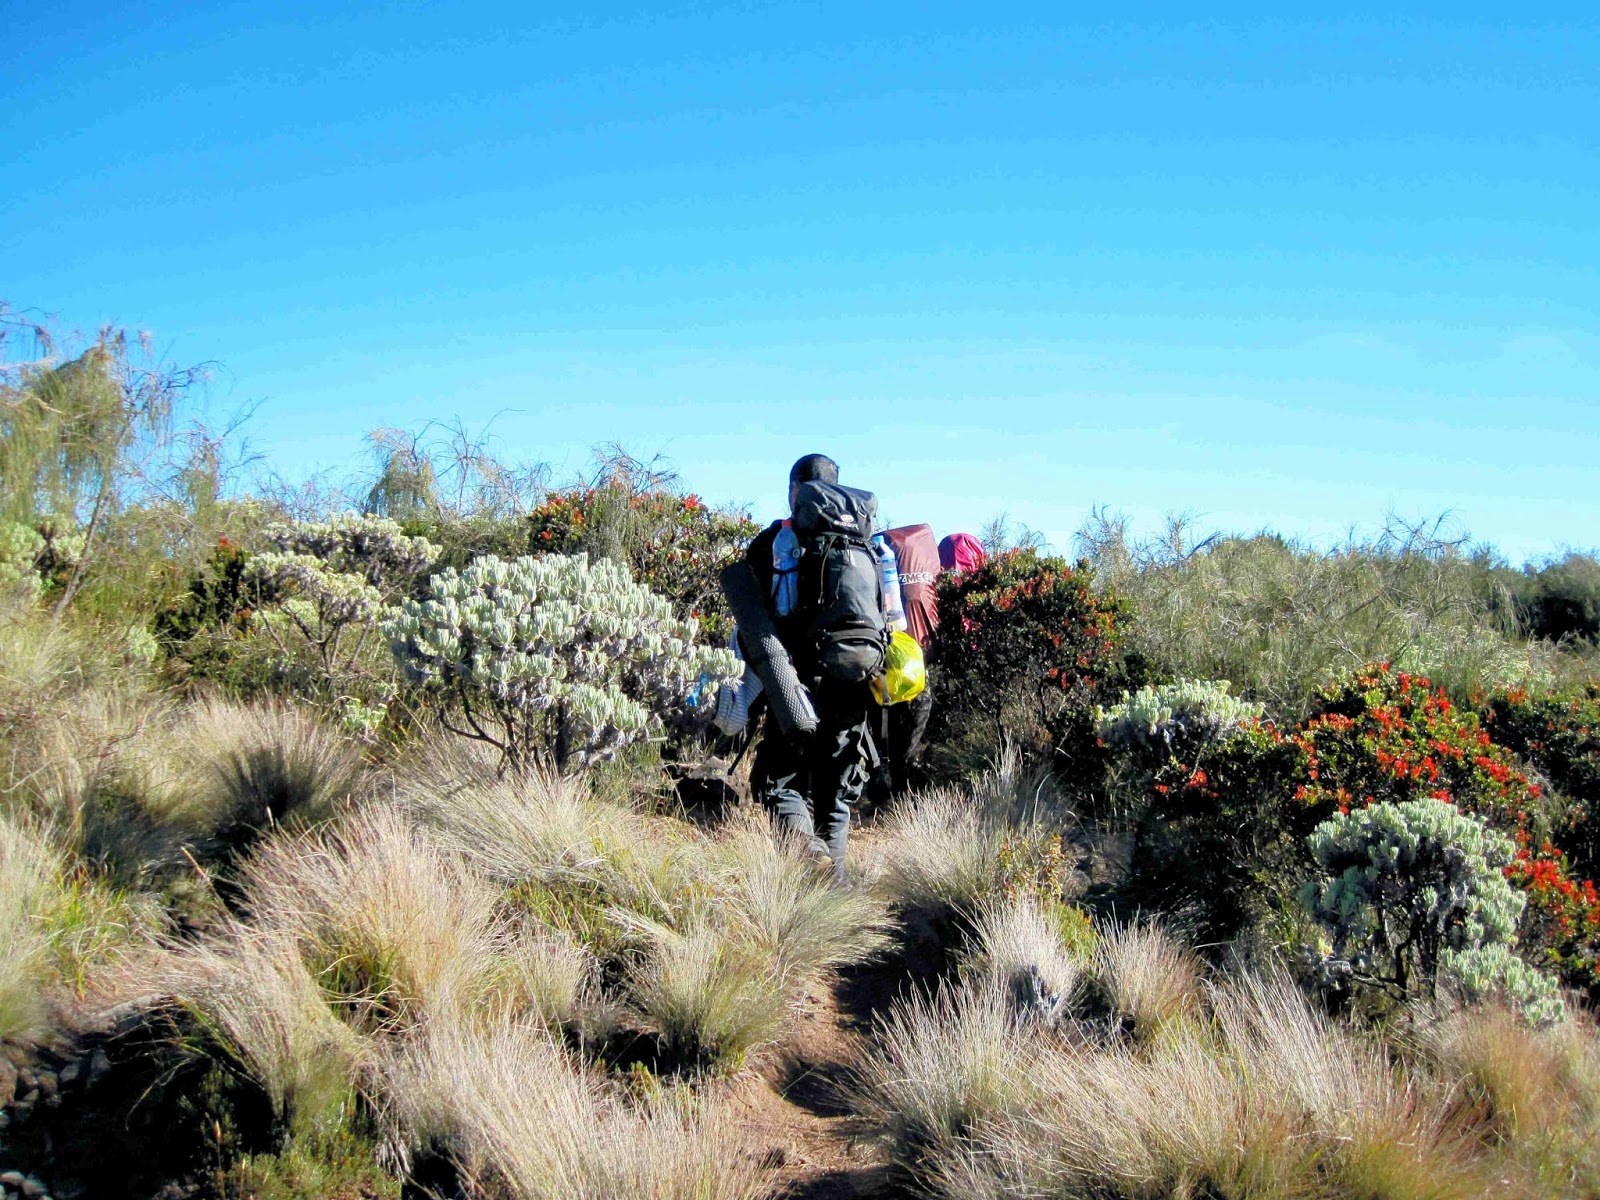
x=917, y=554
x=838, y=623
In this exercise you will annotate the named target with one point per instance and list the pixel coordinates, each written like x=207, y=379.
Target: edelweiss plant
x=327, y=585
x=1418, y=888
x=1172, y=714
x=552, y=656
x=374, y=548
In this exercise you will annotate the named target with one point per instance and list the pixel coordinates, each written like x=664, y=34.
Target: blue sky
x=1031, y=258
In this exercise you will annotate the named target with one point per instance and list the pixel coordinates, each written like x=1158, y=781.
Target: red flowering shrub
x=1214, y=839
x=675, y=544
x=1388, y=735
x=1026, y=649
x=1559, y=735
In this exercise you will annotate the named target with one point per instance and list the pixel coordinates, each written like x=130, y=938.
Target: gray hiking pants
x=810, y=784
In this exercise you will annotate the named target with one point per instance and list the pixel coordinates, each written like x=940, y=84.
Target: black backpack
x=838, y=621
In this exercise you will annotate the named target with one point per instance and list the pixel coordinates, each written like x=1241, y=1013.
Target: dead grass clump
x=1247, y=1092
x=1146, y=977
x=521, y=1120
x=1533, y=1094
x=786, y=908
x=1018, y=946
x=550, y=830
x=941, y=854
x=711, y=996
x=261, y=764
x=29, y=871
x=256, y=995
x=391, y=923
x=942, y=1066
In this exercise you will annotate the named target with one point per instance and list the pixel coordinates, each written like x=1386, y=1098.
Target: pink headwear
x=961, y=552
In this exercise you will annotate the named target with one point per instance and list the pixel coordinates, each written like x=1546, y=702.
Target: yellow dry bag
x=904, y=672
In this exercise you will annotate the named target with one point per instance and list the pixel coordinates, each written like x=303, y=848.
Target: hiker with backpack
x=809, y=600
x=902, y=726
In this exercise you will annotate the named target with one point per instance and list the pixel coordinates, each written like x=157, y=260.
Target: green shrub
x=553, y=656
x=674, y=543
x=19, y=552
x=1559, y=601
x=1027, y=649
x=1282, y=619
x=1409, y=883
x=1558, y=733
x=1171, y=716
x=1390, y=736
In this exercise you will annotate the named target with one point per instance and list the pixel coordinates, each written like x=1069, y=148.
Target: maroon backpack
x=918, y=556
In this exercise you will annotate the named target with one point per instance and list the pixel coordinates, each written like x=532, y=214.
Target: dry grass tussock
x=29, y=873
x=778, y=901
x=947, y=851
x=254, y=992
x=718, y=980
x=391, y=922
x=59, y=925
x=546, y=829
x=257, y=765
x=940, y=1064
x=1018, y=947
x=1534, y=1094
x=1250, y=1093
x=131, y=782
x=1145, y=976
x=522, y=1120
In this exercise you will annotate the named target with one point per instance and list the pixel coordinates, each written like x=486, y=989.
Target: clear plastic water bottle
x=889, y=564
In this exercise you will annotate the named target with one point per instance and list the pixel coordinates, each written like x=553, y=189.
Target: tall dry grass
x=1249, y=1092
x=946, y=852
x=1017, y=946
x=522, y=1120
x=1280, y=619
x=256, y=995
x=260, y=764
x=549, y=830
x=391, y=922
x=1146, y=977
x=30, y=871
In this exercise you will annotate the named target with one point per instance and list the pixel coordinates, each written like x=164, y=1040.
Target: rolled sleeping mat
x=764, y=653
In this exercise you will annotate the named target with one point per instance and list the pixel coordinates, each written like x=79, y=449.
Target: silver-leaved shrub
x=1417, y=891
x=1168, y=715
x=554, y=658
x=322, y=593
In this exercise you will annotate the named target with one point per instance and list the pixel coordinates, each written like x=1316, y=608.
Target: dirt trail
x=794, y=1108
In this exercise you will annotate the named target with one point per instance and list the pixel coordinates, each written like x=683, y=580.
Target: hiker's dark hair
x=817, y=467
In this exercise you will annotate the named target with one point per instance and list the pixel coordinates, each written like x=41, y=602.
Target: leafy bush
x=1215, y=838
x=1558, y=733
x=674, y=544
x=1408, y=883
x=322, y=593
x=553, y=656
x=1493, y=973
x=1389, y=736
x=19, y=553
x=1027, y=648
x=1174, y=715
